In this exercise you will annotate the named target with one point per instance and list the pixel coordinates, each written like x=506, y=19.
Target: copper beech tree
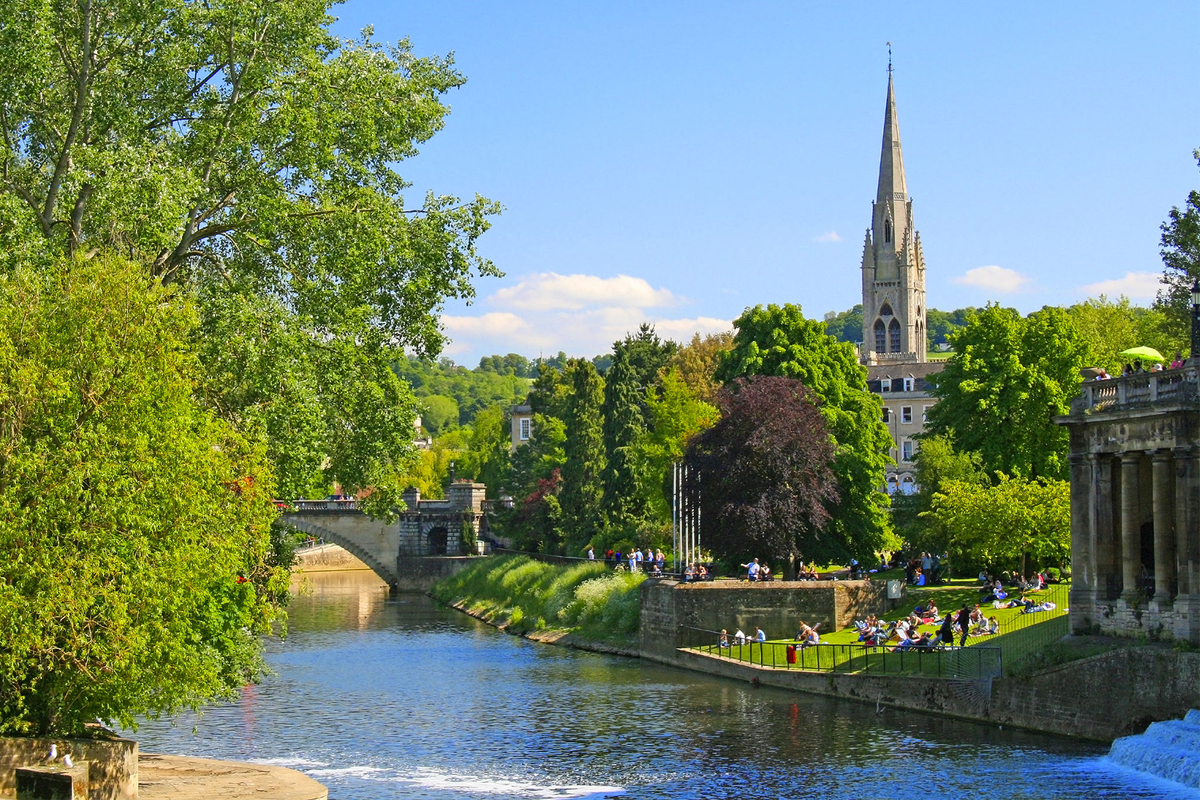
x=763, y=472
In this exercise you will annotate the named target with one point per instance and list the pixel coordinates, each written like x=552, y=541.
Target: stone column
x=1131, y=547
x=1083, y=560
x=1104, y=528
x=1164, y=526
x=1187, y=542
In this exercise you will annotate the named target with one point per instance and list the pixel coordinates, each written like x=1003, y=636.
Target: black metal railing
x=975, y=661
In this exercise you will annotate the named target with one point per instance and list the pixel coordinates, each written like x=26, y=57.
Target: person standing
x=751, y=570
x=964, y=623
x=591, y=554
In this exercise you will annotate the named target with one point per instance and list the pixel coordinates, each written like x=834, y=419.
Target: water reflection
x=399, y=698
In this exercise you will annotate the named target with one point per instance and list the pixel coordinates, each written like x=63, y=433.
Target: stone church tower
x=893, y=265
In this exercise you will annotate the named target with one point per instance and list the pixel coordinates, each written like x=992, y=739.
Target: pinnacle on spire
x=892, y=186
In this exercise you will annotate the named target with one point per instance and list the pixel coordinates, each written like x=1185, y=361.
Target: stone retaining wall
x=778, y=607
x=420, y=573
x=112, y=774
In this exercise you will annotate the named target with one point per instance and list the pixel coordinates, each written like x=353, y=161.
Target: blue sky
x=678, y=162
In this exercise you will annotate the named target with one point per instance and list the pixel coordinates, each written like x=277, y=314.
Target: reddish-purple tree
x=763, y=472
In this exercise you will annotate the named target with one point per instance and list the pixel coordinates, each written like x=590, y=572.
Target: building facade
x=893, y=298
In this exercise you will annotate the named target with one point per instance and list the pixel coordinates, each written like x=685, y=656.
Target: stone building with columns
x=1135, y=505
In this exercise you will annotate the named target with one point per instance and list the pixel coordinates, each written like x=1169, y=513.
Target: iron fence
x=976, y=661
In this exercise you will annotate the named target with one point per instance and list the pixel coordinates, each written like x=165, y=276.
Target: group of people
x=650, y=561
x=740, y=638
x=906, y=633
x=1135, y=367
x=923, y=570
x=756, y=571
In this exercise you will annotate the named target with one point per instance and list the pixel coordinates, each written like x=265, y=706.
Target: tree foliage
x=242, y=151
x=583, y=450
x=645, y=353
x=996, y=526
x=623, y=427
x=938, y=464
x=764, y=475
x=1181, y=259
x=1009, y=377
x=136, y=568
x=1112, y=326
x=778, y=340
x=696, y=363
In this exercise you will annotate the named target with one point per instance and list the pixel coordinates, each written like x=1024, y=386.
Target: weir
x=1169, y=749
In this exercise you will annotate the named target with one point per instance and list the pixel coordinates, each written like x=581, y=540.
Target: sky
x=676, y=163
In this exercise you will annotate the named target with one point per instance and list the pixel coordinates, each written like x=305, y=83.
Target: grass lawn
x=1020, y=634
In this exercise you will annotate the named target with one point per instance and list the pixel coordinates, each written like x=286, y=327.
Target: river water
x=399, y=698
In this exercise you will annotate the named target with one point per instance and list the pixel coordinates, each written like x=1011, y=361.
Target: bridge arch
x=313, y=529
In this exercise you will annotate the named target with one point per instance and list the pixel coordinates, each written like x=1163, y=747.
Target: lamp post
x=1195, y=320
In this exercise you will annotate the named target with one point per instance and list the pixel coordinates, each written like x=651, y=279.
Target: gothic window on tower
x=894, y=335
x=886, y=311
x=887, y=231
x=880, y=337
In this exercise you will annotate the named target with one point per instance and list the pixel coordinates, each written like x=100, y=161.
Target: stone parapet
x=113, y=773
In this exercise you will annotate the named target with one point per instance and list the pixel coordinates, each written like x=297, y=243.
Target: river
x=400, y=698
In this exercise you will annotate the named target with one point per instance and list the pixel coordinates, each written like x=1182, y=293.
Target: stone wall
x=778, y=607
x=112, y=771
x=421, y=573
x=1113, y=694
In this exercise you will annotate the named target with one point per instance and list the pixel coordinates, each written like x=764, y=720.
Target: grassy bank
x=519, y=594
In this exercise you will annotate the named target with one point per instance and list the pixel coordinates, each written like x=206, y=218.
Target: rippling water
x=380, y=698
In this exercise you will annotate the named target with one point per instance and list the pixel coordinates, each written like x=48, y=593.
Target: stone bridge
x=425, y=528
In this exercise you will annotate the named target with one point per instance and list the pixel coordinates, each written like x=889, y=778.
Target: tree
x=674, y=415
x=136, y=570
x=242, y=151
x=846, y=326
x=1110, y=327
x=1000, y=526
x=623, y=426
x=778, y=340
x=1181, y=257
x=438, y=413
x=941, y=324
x=938, y=463
x=645, y=353
x=1007, y=380
x=582, y=487
x=697, y=361
x=763, y=470
x=490, y=445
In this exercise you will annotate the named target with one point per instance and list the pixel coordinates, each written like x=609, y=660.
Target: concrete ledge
x=179, y=778
x=113, y=774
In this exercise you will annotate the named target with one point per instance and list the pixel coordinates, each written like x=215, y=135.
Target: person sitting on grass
x=739, y=638
x=807, y=636
x=764, y=573
x=724, y=640
x=946, y=634
x=993, y=626
x=759, y=635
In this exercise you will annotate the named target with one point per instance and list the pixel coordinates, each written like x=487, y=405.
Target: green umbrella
x=1144, y=353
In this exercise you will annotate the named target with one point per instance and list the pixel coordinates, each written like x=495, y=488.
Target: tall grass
x=522, y=595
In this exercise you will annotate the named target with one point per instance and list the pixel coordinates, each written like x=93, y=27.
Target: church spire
x=892, y=186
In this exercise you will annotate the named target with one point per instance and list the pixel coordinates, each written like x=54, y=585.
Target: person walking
x=964, y=623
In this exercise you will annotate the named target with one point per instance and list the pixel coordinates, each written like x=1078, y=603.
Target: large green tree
x=778, y=340
x=1181, y=259
x=242, y=151
x=1009, y=377
x=583, y=464
x=1110, y=326
x=623, y=427
x=645, y=353
x=136, y=566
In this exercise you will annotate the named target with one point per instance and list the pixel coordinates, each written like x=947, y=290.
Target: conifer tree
x=623, y=426
x=582, y=488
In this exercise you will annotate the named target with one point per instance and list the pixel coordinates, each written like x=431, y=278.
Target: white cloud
x=549, y=291
x=832, y=236
x=682, y=330
x=1135, y=285
x=994, y=279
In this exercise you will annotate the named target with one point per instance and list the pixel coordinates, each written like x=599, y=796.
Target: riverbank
x=586, y=606
x=162, y=777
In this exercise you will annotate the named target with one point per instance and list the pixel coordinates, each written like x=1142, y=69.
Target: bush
x=523, y=594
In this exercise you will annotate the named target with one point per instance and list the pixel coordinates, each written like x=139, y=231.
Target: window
x=880, y=337
x=887, y=414
x=526, y=422
x=908, y=485
x=908, y=384
x=894, y=334
x=886, y=311
x=906, y=450
x=891, y=484
x=906, y=415
x=885, y=385
x=924, y=413
x=887, y=230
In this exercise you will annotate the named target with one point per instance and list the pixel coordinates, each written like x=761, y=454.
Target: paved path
x=179, y=778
